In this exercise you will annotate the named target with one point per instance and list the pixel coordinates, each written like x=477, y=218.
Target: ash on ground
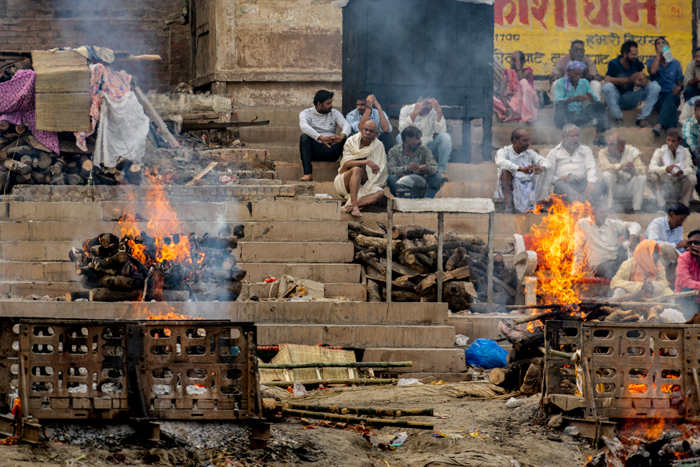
x=98, y=436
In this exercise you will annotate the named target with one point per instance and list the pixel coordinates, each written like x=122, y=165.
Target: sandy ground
x=500, y=437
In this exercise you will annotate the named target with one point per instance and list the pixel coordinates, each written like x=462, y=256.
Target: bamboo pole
x=361, y=410
x=336, y=365
x=527, y=319
x=366, y=421
x=331, y=381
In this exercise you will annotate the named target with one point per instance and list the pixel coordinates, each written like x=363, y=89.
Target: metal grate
x=630, y=370
x=165, y=370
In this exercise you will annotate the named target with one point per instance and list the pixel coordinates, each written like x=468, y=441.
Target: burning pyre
x=159, y=262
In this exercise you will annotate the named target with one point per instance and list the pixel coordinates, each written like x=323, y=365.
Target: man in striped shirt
x=319, y=141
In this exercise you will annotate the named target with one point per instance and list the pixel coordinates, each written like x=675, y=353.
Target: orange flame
x=17, y=423
x=163, y=224
x=172, y=316
x=649, y=429
x=555, y=243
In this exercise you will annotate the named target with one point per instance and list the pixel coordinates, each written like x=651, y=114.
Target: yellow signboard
x=543, y=29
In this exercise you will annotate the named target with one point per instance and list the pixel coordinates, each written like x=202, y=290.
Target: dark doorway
x=397, y=48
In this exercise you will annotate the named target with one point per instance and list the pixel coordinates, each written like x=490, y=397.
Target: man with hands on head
x=520, y=182
x=412, y=157
x=426, y=115
x=368, y=108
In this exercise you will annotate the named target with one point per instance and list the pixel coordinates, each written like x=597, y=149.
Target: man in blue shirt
x=667, y=231
x=623, y=74
x=669, y=75
x=575, y=102
x=367, y=108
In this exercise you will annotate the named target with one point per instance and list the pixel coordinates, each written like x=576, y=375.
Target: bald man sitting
x=363, y=170
x=623, y=170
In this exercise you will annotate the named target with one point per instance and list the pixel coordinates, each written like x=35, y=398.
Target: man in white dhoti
x=363, y=171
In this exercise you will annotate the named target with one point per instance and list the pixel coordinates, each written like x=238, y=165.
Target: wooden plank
x=153, y=115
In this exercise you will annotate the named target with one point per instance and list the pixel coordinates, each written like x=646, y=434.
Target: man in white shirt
x=573, y=168
x=623, y=171
x=597, y=241
x=672, y=172
x=319, y=141
x=426, y=115
x=667, y=231
x=519, y=173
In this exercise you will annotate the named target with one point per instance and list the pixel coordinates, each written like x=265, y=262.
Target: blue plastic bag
x=485, y=353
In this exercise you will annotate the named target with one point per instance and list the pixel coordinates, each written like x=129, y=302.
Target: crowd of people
x=370, y=159
x=579, y=90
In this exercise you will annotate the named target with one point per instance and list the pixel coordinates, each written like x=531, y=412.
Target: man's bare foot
x=347, y=207
x=356, y=211
x=307, y=178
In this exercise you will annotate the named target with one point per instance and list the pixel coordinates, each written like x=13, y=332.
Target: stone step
x=64, y=271
x=322, y=171
x=319, y=272
x=361, y=336
x=424, y=360
x=278, y=211
x=301, y=252
x=339, y=312
x=48, y=271
x=356, y=292
x=244, y=190
x=280, y=152
x=332, y=231
x=270, y=134
x=278, y=116
x=467, y=190
x=545, y=117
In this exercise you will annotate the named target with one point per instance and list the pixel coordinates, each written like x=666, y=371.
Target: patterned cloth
x=398, y=160
x=112, y=83
x=691, y=133
x=522, y=98
x=17, y=106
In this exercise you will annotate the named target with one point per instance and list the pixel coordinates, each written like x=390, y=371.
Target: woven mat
x=291, y=353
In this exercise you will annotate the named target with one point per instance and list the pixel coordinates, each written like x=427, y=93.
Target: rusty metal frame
x=614, y=356
x=218, y=355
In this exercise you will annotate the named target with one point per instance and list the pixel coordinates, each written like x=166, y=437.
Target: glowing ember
x=172, y=316
x=637, y=388
x=555, y=244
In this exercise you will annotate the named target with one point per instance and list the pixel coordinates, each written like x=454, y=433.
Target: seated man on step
x=575, y=102
x=667, y=231
x=590, y=73
x=363, y=172
x=598, y=244
x=624, y=74
x=573, y=168
x=688, y=275
x=368, y=108
x=412, y=157
x=520, y=182
x=319, y=141
x=669, y=75
x=426, y=115
x=623, y=171
x=672, y=172
x=642, y=273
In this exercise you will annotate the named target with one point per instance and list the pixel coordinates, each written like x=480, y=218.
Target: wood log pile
x=414, y=266
x=110, y=270
x=25, y=161
x=525, y=361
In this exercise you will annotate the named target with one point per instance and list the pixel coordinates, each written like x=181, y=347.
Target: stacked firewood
x=414, y=266
x=25, y=161
x=525, y=361
x=110, y=270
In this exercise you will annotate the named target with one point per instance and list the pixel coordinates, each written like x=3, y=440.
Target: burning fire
x=162, y=229
x=171, y=316
x=555, y=244
x=17, y=423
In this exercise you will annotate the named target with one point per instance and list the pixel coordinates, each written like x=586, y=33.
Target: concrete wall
x=138, y=27
x=273, y=53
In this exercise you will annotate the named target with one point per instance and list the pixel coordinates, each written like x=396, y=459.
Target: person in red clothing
x=688, y=274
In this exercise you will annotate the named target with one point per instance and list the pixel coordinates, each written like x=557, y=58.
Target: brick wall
x=136, y=26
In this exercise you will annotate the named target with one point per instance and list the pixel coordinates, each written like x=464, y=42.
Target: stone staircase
x=300, y=236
